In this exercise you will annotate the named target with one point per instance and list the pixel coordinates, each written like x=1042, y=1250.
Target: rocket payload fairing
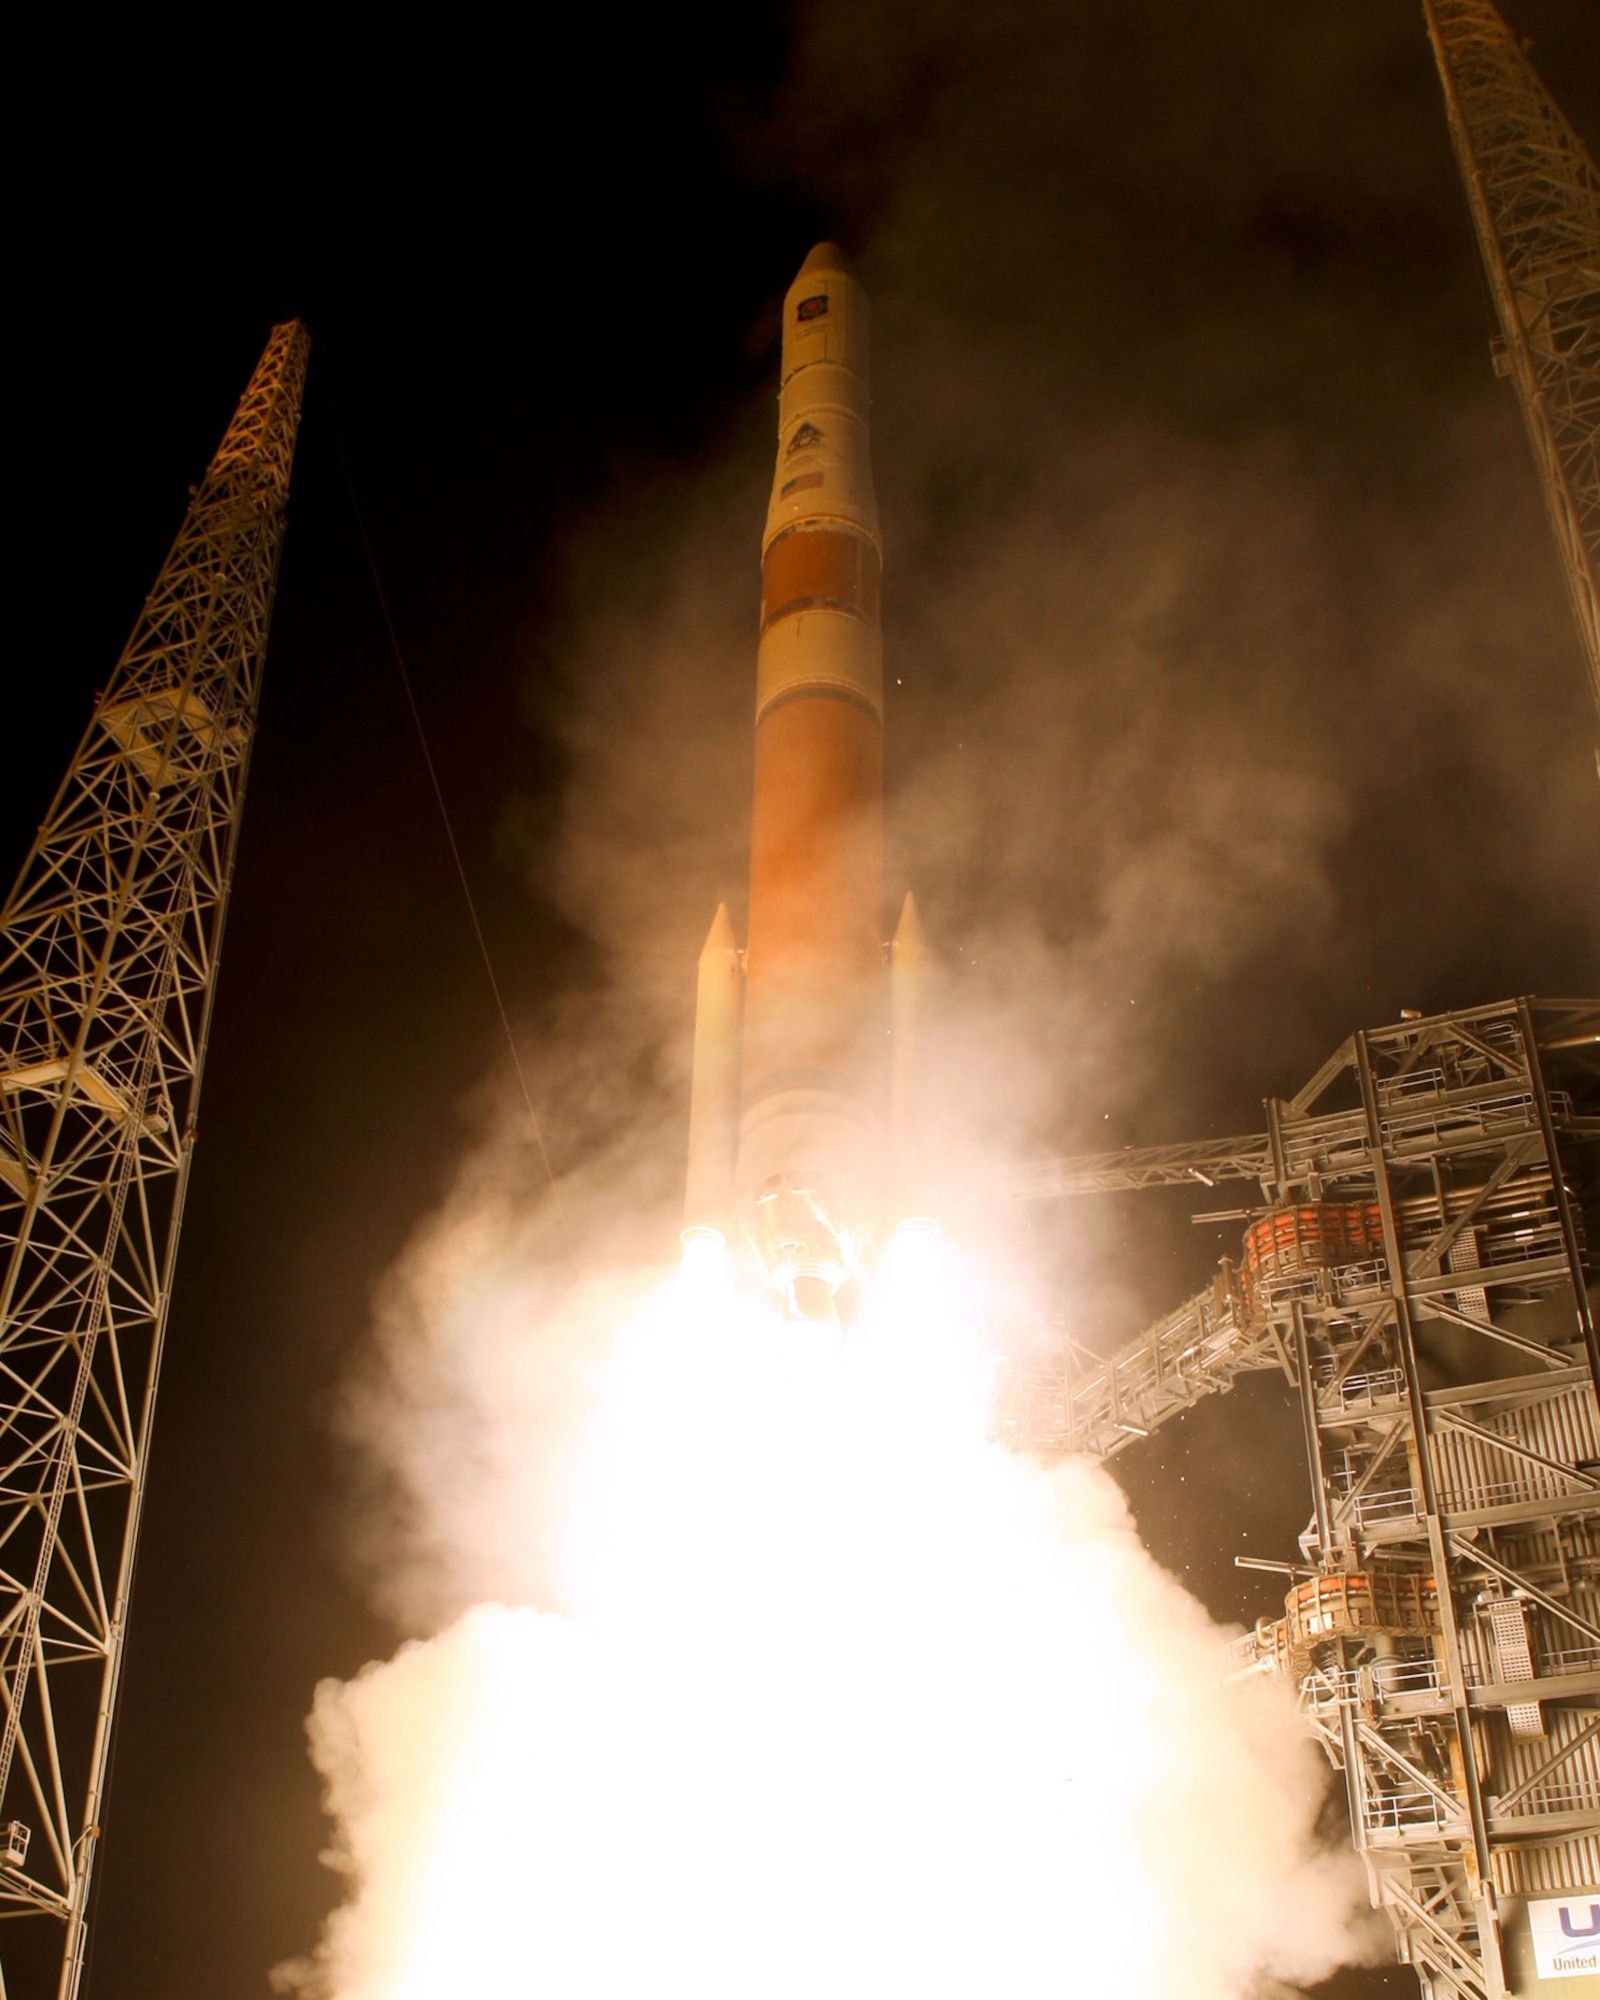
x=803, y=1089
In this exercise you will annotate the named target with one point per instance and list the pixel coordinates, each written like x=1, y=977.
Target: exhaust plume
x=844, y=1698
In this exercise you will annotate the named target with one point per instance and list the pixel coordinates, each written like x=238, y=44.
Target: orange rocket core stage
x=814, y=962
x=814, y=983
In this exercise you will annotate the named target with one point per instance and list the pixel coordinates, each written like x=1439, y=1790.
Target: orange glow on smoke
x=848, y=1701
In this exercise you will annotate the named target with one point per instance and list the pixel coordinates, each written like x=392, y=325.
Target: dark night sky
x=1198, y=488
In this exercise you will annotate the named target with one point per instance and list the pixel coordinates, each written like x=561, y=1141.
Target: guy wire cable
x=455, y=850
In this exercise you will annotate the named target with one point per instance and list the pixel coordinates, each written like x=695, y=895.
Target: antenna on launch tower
x=110, y=941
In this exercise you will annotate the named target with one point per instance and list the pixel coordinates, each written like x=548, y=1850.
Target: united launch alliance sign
x=1566, y=1936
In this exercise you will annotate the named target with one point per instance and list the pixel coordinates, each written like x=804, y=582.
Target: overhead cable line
x=455, y=847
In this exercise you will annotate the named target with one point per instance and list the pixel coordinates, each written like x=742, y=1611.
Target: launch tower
x=1535, y=200
x=111, y=938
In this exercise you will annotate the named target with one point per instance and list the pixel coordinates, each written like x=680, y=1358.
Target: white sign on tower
x=1566, y=1935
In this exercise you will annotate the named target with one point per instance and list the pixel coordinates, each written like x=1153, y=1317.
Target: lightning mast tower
x=110, y=941
x=1535, y=200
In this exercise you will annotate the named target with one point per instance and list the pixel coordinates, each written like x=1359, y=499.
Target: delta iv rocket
x=803, y=1095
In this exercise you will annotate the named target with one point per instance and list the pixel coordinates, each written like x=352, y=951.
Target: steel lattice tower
x=1535, y=198
x=111, y=938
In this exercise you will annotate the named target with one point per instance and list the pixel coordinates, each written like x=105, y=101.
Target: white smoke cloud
x=846, y=1699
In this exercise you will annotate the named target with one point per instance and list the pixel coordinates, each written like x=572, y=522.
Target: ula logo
x=1566, y=1933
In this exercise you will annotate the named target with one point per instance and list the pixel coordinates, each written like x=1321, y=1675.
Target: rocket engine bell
x=788, y=1140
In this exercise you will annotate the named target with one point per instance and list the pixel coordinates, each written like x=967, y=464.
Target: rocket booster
x=788, y=1142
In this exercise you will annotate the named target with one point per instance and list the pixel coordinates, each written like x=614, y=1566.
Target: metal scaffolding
x=110, y=942
x=1417, y=1269
x=1535, y=200
x=1202, y=1162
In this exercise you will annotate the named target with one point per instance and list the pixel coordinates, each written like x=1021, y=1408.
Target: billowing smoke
x=845, y=1699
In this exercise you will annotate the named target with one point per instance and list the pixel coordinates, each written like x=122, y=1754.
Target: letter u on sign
x=1572, y=1930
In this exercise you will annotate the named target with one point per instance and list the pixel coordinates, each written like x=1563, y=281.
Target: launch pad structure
x=1418, y=1268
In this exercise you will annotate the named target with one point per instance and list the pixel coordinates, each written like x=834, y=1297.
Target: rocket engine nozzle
x=806, y=1248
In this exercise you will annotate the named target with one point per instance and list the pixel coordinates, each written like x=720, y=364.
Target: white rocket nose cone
x=825, y=257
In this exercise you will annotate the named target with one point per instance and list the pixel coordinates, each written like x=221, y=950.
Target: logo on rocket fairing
x=804, y=439
x=812, y=308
